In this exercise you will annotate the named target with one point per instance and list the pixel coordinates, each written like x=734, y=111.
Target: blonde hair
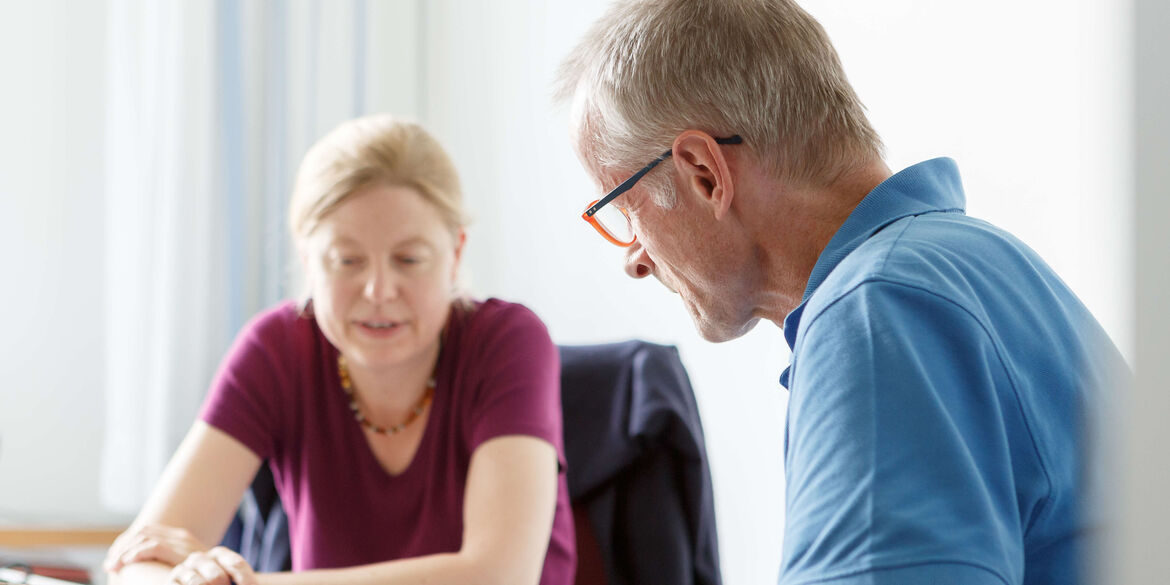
x=762, y=69
x=370, y=150
x=378, y=149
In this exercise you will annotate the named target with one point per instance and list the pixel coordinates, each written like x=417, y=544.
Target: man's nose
x=638, y=262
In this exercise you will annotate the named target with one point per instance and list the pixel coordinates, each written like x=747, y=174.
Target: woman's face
x=381, y=269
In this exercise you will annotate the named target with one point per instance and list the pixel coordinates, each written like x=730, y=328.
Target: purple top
x=279, y=394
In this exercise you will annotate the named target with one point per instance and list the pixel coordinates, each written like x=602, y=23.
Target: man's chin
x=718, y=332
x=718, y=335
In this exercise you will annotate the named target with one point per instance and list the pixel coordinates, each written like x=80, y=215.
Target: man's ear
x=703, y=170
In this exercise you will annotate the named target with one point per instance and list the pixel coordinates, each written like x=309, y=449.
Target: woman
x=413, y=436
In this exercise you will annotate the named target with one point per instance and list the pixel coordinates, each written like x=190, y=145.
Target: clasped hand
x=192, y=562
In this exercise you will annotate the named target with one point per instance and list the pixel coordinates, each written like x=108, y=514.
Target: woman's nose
x=638, y=262
x=380, y=285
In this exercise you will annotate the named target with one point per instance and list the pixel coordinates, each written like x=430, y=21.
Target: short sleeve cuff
x=246, y=434
x=536, y=431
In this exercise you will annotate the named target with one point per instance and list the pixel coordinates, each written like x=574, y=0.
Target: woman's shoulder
x=275, y=348
x=485, y=332
x=283, y=324
x=494, y=317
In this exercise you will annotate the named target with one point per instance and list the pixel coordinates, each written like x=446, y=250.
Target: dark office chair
x=259, y=532
x=638, y=476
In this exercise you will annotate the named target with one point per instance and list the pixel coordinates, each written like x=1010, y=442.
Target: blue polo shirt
x=945, y=391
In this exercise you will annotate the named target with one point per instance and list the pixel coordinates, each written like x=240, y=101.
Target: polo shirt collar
x=928, y=186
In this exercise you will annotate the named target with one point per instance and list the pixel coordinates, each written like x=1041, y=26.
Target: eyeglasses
x=611, y=221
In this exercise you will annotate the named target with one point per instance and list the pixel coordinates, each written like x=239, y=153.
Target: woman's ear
x=460, y=240
x=303, y=256
x=307, y=272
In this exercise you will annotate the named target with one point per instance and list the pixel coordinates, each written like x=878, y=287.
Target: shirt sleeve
x=518, y=386
x=898, y=467
x=243, y=398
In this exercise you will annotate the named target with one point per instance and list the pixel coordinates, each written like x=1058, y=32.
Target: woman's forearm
x=440, y=569
x=140, y=574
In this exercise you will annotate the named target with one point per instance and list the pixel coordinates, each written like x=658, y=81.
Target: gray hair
x=762, y=69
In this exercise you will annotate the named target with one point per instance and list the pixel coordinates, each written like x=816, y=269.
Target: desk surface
x=14, y=576
x=43, y=537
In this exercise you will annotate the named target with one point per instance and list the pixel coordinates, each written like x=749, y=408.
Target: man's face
x=689, y=252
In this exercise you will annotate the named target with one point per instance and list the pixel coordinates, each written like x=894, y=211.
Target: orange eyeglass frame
x=626, y=185
x=601, y=229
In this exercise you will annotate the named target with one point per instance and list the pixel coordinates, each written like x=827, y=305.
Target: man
x=944, y=383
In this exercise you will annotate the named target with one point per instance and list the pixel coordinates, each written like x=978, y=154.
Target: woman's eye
x=409, y=260
x=349, y=261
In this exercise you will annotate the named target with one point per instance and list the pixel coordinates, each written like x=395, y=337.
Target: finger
x=125, y=541
x=236, y=566
x=184, y=574
x=210, y=571
x=197, y=569
x=155, y=550
x=128, y=535
x=136, y=553
x=113, y=561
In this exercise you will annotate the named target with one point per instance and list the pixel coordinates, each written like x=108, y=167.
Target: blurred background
x=148, y=149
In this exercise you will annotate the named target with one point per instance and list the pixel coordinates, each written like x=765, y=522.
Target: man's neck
x=792, y=226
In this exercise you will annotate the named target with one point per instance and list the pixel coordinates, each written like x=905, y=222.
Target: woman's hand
x=151, y=542
x=218, y=566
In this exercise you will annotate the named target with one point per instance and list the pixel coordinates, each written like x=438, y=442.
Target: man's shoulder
x=949, y=255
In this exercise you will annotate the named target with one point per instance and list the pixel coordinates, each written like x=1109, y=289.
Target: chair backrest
x=259, y=532
x=637, y=467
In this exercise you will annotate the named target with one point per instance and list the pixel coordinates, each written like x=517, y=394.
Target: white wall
x=51, y=371
x=1140, y=548
x=1030, y=97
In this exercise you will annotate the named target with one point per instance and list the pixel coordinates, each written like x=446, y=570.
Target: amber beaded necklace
x=347, y=385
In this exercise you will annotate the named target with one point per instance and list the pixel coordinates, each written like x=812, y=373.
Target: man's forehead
x=604, y=179
x=583, y=135
x=583, y=123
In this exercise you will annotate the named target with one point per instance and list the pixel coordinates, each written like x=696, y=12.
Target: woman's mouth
x=379, y=327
